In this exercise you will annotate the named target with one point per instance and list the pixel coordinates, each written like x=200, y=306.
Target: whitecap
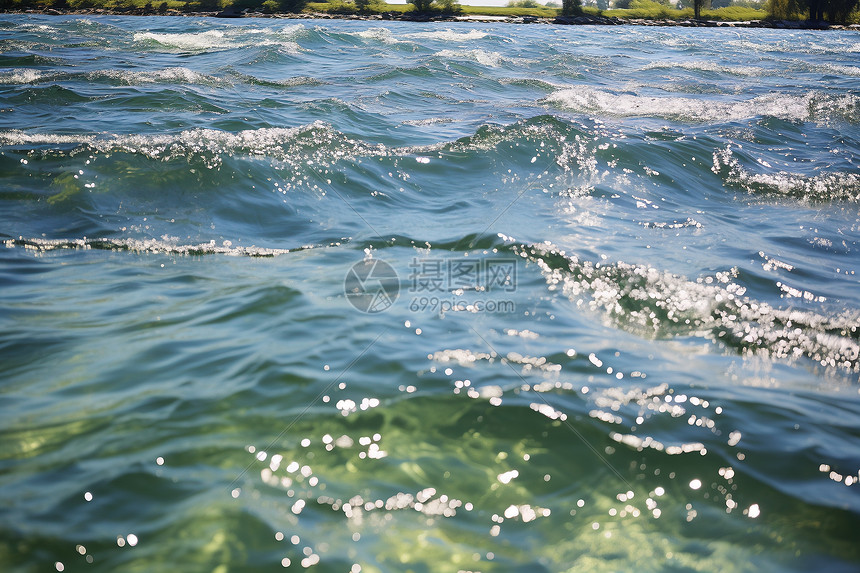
x=383, y=35
x=178, y=75
x=798, y=108
x=837, y=69
x=200, y=41
x=448, y=35
x=288, y=145
x=21, y=76
x=655, y=303
x=834, y=186
x=483, y=57
x=165, y=245
x=707, y=66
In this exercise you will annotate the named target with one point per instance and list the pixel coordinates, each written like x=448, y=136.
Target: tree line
x=834, y=11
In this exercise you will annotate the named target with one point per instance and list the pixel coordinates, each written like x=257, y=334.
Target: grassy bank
x=644, y=10
x=655, y=11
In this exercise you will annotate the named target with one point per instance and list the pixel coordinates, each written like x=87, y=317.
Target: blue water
x=344, y=296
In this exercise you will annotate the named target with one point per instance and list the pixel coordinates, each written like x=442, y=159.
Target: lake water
x=344, y=295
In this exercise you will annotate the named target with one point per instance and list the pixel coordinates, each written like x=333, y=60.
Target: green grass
x=505, y=11
x=341, y=7
x=655, y=11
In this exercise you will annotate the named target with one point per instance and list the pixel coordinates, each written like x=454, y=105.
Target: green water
x=347, y=296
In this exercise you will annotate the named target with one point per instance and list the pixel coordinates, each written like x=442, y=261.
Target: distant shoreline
x=585, y=20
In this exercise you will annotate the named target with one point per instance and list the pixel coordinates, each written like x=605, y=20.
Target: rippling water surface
x=350, y=296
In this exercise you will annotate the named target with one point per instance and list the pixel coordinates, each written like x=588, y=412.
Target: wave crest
x=823, y=187
x=810, y=107
x=655, y=303
x=165, y=245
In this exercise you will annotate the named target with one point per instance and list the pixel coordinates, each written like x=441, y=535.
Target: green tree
x=422, y=6
x=449, y=6
x=814, y=10
x=785, y=9
x=831, y=10
x=571, y=7
x=840, y=10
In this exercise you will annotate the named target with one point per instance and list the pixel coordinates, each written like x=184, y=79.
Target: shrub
x=448, y=6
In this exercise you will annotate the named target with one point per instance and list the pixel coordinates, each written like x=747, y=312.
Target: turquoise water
x=347, y=296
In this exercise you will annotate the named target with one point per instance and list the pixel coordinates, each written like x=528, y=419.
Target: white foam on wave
x=706, y=66
x=289, y=32
x=20, y=77
x=382, y=35
x=220, y=40
x=484, y=57
x=836, y=69
x=178, y=75
x=315, y=143
x=838, y=186
x=165, y=245
x=16, y=137
x=188, y=41
x=448, y=35
x=799, y=108
x=656, y=303
x=789, y=43
x=40, y=28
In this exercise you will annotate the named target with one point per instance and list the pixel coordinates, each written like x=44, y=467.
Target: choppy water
x=626, y=328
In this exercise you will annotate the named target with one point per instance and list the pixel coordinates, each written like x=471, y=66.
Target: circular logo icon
x=371, y=286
